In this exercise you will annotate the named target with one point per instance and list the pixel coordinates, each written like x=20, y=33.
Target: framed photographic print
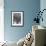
x=17, y=18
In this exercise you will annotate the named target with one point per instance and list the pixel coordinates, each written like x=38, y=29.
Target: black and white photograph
x=17, y=18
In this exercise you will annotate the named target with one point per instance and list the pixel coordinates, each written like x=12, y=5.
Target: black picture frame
x=17, y=18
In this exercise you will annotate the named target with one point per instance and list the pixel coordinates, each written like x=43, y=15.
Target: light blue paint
x=43, y=6
x=30, y=7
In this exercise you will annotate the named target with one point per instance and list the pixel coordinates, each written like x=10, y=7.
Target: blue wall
x=43, y=6
x=29, y=7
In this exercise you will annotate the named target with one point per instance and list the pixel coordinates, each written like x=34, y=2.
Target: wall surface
x=43, y=6
x=30, y=7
